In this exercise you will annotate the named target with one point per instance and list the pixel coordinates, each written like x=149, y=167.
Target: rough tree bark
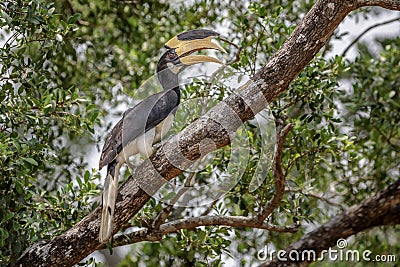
x=218, y=125
x=381, y=209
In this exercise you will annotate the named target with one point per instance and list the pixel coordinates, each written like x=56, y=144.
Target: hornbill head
x=180, y=51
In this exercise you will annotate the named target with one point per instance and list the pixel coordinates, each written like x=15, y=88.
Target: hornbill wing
x=112, y=146
x=148, y=114
x=136, y=121
x=165, y=104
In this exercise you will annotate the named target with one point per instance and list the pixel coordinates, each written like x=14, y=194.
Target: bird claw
x=157, y=146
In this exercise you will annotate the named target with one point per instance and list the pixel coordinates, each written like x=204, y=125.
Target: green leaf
x=31, y=161
x=73, y=19
x=94, y=115
x=5, y=16
x=8, y=216
x=86, y=176
x=19, y=188
x=79, y=181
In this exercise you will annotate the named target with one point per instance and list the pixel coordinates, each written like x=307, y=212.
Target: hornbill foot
x=157, y=146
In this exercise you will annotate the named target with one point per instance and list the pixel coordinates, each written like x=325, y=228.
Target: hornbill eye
x=171, y=55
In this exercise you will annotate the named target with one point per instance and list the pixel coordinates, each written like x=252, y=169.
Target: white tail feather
x=108, y=202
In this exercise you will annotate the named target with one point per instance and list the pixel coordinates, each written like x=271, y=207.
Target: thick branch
x=218, y=125
x=381, y=209
x=388, y=4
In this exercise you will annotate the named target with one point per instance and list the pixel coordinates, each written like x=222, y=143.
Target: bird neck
x=168, y=80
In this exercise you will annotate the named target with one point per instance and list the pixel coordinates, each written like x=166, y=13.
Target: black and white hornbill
x=146, y=123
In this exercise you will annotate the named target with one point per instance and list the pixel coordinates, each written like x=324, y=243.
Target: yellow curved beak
x=189, y=42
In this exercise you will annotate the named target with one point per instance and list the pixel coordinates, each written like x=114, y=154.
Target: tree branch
x=192, y=223
x=381, y=209
x=162, y=216
x=278, y=175
x=319, y=197
x=219, y=125
x=387, y=139
x=388, y=4
x=365, y=31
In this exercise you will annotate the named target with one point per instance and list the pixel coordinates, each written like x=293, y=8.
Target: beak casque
x=189, y=42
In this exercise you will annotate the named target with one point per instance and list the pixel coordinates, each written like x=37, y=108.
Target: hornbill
x=146, y=123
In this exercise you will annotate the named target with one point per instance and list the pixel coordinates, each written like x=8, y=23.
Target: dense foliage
x=65, y=64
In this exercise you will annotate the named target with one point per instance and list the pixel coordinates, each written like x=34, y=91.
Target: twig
x=192, y=223
x=229, y=42
x=218, y=71
x=365, y=31
x=387, y=139
x=162, y=216
x=327, y=45
x=317, y=196
x=71, y=8
x=255, y=53
x=292, y=102
x=301, y=156
x=278, y=175
x=145, y=223
x=324, y=199
x=11, y=40
x=209, y=208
